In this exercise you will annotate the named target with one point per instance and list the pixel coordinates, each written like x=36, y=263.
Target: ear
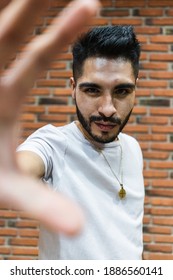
x=73, y=86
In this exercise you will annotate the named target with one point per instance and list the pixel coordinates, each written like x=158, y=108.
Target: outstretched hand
x=16, y=189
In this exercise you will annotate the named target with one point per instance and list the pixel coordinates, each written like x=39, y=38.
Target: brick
x=163, y=221
x=59, y=4
x=2, y=223
x=40, y=91
x=155, y=47
x=64, y=56
x=57, y=65
x=155, y=102
x=53, y=118
x=106, y=3
x=161, y=211
x=161, y=75
x=23, y=241
x=62, y=109
x=24, y=251
x=161, y=57
x=160, y=3
x=146, y=12
x=136, y=128
x=146, y=30
x=32, y=125
x=26, y=224
x=155, y=174
x=158, y=248
x=159, y=21
x=8, y=232
x=29, y=100
x=2, y=241
x=169, y=12
x=146, y=220
x=158, y=230
x=150, y=137
x=152, y=84
x=161, y=39
x=132, y=3
x=62, y=91
x=154, y=65
x=53, y=101
x=161, y=111
x=143, y=40
x=163, y=239
x=114, y=13
x=8, y=214
x=33, y=109
x=162, y=183
x=153, y=120
x=156, y=155
x=144, y=146
x=139, y=110
x=162, y=146
x=99, y=22
x=27, y=117
x=159, y=193
x=162, y=202
x=147, y=238
x=160, y=256
x=163, y=129
x=28, y=232
x=5, y=250
x=161, y=164
x=51, y=83
x=161, y=92
x=126, y=21
x=60, y=74
x=143, y=92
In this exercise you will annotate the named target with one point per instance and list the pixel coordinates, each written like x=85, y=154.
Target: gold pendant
x=122, y=192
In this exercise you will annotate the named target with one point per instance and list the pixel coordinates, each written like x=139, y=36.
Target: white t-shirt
x=113, y=228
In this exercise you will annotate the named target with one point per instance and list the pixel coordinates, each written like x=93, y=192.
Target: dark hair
x=110, y=42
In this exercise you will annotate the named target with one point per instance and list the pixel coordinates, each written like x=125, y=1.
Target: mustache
x=114, y=120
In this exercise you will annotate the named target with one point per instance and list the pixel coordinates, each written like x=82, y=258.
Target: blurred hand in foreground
x=18, y=190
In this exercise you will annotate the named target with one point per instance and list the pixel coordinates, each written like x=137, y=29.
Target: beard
x=105, y=138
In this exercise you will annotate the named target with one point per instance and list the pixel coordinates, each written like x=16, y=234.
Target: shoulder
x=130, y=143
x=50, y=133
x=128, y=139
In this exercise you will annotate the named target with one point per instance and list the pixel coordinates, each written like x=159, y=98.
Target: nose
x=107, y=106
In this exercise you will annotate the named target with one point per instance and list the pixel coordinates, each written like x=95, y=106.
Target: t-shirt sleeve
x=42, y=142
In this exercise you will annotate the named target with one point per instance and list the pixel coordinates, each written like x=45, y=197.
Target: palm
x=16, y=189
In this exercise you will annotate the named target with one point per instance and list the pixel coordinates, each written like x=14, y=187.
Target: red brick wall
x=151, y=122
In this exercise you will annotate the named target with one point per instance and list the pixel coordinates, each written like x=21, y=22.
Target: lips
x=105, y=126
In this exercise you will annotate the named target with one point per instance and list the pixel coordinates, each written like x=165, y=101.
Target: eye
x=121, y=92
x=92, y=91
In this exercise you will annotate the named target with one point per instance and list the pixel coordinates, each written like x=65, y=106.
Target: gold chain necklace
x=122, y=191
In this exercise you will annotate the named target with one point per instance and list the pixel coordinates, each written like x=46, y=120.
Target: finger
x=15, y=21
x=41, y=51
x=53, y=210
x=4, y=3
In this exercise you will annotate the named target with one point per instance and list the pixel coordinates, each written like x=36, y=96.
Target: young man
x=90, y=160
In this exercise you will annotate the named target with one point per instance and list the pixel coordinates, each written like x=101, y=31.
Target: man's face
x=104, y=97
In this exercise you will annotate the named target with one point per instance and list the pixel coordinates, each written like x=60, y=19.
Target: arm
x=30, y=164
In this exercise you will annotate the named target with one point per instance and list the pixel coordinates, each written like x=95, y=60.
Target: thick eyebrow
x=87, y=84
x=126, y=85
